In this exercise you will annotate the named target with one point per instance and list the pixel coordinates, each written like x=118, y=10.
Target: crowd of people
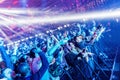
x=48, y=58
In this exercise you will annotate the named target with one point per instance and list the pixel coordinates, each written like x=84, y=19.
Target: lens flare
x=1, y=1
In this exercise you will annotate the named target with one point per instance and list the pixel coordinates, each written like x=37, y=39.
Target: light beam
x=63, y=17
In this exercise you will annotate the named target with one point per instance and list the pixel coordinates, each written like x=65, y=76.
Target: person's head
x=34, y=52
x=24, y=69
x=56, y=53
x=23, y=58
x=13, y=59
x=99, y=26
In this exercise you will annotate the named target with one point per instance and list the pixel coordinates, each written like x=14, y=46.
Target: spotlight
x=26, y=38
x=22, y=39
x=59, y=28
x=30, y=37
x=36, y=35
x=65, y=25
x=51, y=31
x=68, y=25
x=51, y=19
x=39, y=34
x=47, y=31
x=18, y=41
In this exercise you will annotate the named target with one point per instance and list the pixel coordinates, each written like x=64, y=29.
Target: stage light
x=18, y=41
x=59, y=28
x=68, y=25
x=18, y=10
x=47, y=31
x=27, y=20
x=39, y=34
x=22, y=39
x=36, y=35
x=30, y=37
x=65, y=25
x=51, y=31
x=26, y=38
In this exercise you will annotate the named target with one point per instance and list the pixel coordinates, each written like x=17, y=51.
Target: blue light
x=23, y=3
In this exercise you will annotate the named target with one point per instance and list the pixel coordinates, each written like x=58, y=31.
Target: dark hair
x=39, y=45
x=56, y=53
x=84, y=50
x=32, y=53
x=23, y=58
x=99, y=26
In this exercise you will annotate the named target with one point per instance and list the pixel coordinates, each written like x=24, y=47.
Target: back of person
x=70, y=59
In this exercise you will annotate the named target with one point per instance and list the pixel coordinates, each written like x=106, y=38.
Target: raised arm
x=56, y=46
x=45, y=65
x=5, y=57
